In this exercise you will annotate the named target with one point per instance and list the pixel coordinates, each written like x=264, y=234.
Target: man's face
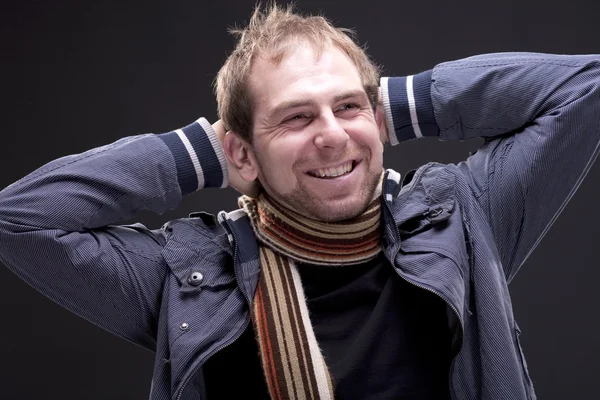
x=316, y=141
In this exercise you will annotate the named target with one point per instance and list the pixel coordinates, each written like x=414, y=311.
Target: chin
x=337, y=210
x=305, y=202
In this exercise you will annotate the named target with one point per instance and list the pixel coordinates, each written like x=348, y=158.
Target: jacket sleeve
x=59, y=233
x=540, y=117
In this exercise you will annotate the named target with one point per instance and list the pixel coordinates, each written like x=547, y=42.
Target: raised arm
x=58, y=224
x=540, y=115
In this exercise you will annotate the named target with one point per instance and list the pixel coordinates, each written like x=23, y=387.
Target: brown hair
x=271, y=33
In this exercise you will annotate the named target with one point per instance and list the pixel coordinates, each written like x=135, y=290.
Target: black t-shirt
x=382, y=338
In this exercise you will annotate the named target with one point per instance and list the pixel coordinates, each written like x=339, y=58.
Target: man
x=334, y=278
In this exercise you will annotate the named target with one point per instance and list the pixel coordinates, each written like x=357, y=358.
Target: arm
x=540, y=115
x=57, y=224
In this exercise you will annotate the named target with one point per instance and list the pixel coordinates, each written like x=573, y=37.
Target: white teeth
x=333, y=172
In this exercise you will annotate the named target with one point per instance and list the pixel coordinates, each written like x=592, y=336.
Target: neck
x=307, y=240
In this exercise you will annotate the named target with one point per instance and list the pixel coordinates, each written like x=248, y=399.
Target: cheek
x=366, y=134
x=378, y=145
x=289, y=150
x=278, y=159
x=376, y=148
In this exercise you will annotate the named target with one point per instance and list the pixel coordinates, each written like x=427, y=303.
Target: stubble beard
x=301, y=201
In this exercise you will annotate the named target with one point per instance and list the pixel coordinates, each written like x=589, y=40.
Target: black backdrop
x=77, y=74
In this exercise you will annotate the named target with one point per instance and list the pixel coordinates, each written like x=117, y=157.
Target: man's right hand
x=235, y=180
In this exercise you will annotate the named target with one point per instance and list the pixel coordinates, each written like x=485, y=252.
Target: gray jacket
x=459, y=231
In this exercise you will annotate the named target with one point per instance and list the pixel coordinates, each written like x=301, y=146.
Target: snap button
x=438, y=215
x=435, y=212
x=195, y=278
x=184, y=326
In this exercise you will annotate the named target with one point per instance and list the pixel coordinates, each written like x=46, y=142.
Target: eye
x=297, y=118
x=348, y=106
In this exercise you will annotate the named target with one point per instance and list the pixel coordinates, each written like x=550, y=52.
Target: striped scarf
x=292, y=361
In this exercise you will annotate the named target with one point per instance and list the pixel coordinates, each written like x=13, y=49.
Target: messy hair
x=271, y=34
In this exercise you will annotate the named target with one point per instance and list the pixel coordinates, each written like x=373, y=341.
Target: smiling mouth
x=333, y=172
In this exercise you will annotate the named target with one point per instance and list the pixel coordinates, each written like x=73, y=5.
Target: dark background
x=77, y=74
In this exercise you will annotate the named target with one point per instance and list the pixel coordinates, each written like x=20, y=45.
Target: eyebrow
x=288, y=105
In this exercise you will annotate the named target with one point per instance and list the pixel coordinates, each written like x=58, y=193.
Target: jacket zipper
x=237, y=335
x=448, y=303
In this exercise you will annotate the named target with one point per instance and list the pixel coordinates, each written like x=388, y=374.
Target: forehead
x=302, y=74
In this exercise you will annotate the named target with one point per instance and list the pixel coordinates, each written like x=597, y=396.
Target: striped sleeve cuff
x=408, y=107
x=198, y=155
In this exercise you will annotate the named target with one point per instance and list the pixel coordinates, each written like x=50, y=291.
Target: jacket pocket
x=526, y=377
x=436, y=229
x=205, y=268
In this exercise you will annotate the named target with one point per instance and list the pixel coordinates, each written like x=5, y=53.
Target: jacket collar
x=425, y=197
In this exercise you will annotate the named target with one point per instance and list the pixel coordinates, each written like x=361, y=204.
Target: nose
x=330, y=133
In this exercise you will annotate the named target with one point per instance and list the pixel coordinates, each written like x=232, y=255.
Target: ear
x=240, y=155
x=380, y=119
